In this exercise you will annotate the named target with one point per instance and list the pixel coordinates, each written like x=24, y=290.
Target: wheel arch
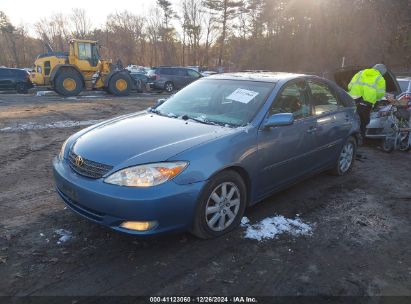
x=65, y=67
x=356, y=135
x=112, y=73
x=243, y=174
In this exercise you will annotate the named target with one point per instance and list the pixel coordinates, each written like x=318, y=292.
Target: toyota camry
x=195, y=161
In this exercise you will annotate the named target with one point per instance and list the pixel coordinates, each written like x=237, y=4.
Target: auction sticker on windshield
x=242, y=95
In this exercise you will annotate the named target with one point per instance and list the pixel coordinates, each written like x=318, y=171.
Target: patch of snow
x=245, y=128
x=45, y=93
x=272, y=227
x=52, y=125
x=202, y=118
x=64, y=235
x=244, y=221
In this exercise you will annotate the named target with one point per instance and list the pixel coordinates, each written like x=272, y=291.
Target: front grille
x=89, y=168
x=91, y=214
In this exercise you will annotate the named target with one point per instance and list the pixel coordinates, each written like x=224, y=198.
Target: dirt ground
x=360, y=244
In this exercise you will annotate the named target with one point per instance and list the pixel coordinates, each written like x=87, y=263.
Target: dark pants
x=364, y=111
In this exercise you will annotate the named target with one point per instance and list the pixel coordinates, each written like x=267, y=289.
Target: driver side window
x=293, y=99
x=84, y=51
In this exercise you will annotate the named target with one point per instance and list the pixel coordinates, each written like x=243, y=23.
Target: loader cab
x=85, y=53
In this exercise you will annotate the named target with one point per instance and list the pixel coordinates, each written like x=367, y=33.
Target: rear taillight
x=407, y=97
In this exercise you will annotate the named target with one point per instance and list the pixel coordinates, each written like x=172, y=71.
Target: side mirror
x=282, y=119
x=161, y=101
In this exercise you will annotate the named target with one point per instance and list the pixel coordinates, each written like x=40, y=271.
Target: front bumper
x=171, y=205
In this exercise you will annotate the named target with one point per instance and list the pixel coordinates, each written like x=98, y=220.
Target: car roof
x=13, y=69
x=172, y=67
x=253, y=76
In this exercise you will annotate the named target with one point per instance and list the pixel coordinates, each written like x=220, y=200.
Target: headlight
x=63, y=147
x=146, y=175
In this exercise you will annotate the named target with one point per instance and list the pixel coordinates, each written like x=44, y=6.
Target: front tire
x=221, y=205
x=120, y=85
x=346, y=158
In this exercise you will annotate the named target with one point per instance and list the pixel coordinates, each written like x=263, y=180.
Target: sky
x=29, y=12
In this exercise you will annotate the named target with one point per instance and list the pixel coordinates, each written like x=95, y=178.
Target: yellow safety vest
x=368, y=84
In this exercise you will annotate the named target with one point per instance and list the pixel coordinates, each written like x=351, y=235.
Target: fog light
x=139, y=226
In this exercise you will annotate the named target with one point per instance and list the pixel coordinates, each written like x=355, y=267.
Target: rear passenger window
x=168, y=71
x=181, y=72
x=193, y=73
x=293, y=99
x=323, y=99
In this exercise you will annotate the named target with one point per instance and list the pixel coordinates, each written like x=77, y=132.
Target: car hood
x=142, y=138
x=343, y=77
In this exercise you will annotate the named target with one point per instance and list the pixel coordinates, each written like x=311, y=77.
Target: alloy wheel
x=346, y=157
x=169, y=87
x=222, y=206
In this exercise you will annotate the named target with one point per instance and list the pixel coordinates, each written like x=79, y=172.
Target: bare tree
x=81, y=23
x=9, y=34
x=192, y=27
x=126, y=37
x=54, y=30
x=225, y=10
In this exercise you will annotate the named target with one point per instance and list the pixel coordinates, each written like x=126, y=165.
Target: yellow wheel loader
x=81, y=68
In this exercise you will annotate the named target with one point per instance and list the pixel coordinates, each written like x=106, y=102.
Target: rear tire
x=140, y=86
x=221, y=205
x=387, y=145
x=120, y=85
x=68, y=83
x=346, y=158
x=22, y=88
x=404, y=145
x=169, y=87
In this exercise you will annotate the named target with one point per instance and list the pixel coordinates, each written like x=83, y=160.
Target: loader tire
x=68, y=83
x=119, y=85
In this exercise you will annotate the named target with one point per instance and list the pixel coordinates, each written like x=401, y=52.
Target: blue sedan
x=195, y=161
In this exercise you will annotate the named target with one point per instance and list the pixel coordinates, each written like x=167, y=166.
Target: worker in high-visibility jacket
x=367, y=87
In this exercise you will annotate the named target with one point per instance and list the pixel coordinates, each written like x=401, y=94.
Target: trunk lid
x=343, y=77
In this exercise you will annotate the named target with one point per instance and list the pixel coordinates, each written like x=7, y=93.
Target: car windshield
x=404, y=84
x=232, y=102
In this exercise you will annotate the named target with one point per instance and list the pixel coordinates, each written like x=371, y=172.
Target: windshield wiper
x=153, y=110
x=158, y=112
x=198, y=119
x=207, y=121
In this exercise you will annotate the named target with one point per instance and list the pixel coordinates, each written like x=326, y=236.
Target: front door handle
x=311, y=130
